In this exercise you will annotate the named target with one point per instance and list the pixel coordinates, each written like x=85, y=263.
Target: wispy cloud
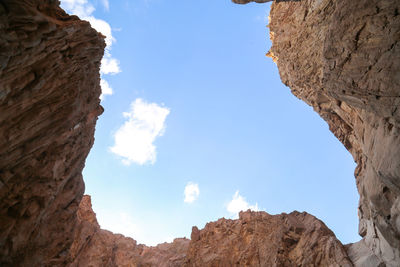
x=134, y=140
x=123, y=223
x=239, y=203
x=119, y=223
x=191, y=192
x=106, y=4
x=109, y=65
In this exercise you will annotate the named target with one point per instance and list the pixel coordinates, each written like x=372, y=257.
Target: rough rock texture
x=96, y=247
x=343, y=58
x=49, y=103
x=255, y=239
x=260, y=239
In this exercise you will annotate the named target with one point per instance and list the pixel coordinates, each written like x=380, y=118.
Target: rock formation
x=340, y=57
x=260, y=239
x=255, y=239
x=49, y=103
x=343, y=59
x=96, y=247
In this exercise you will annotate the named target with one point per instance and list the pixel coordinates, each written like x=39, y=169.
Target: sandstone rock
x=255, y=239
x=343, y=59
x=361, y=255
x=340, y=57
x=49, y=103
x=166, y=254
x=96, y=247
x=260, y=239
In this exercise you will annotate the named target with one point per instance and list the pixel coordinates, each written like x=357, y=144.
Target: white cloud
x=106, y=4
x=134, y=139
x=192, y=192
x=120, y=223
x=105, y=89
x=239, y=203
x=103, y=27
x=109, y=65
x=81, y=8
x=84, y=10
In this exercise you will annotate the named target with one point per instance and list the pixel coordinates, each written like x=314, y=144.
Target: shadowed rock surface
x=343, y=58
x=340, y=57
x=49, y=103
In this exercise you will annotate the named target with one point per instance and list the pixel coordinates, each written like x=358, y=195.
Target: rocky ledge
x=341, y=57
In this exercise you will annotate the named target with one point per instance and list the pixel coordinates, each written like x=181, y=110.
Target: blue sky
x=197, y=124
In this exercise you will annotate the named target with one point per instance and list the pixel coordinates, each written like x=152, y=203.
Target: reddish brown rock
x=255, y=239
x=49, y=103
x=96, y=247
x=260, y=239
x=343, y=59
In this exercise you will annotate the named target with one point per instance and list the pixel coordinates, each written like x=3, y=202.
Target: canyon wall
x=97, y=247
x=340, y=57
x=49, y=103
x=343, y=59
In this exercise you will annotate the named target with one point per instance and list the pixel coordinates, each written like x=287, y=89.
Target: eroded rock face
x=255, y=239
x=49, y=103
x=343, y=59
x=96, y=247
x=260, y=239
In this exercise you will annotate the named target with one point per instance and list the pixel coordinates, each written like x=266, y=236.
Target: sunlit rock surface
x=343, y=59
x=260, y=239
x=96, y=247
x=255, y=239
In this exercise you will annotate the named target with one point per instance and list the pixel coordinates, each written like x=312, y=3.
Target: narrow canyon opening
x=199, y=126
x=232, y=129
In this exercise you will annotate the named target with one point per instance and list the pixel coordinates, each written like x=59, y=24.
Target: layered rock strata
x=343, y=58
x=49, y=103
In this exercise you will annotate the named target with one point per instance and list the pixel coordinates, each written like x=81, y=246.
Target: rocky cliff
x=340, y=57
x=96, y=247
x=255, y=239
x=343, y=59
x=49, y=103
x=260, y=239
